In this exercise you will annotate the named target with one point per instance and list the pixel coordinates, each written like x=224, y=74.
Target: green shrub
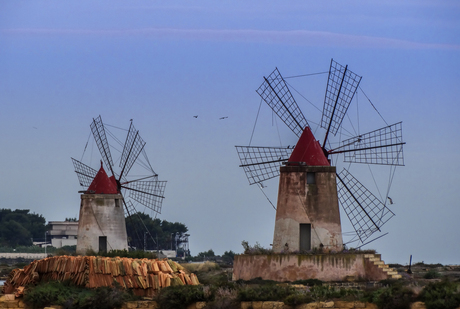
x=136, y=254
x=177, y=297
x=395, y=296
x=300, y=297
x=432, y=274
x=46, y=294
x=70, y=296
x=444, y=294
x=309, y=282
x=266, y=292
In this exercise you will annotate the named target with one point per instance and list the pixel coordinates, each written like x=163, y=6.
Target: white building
x=63, y=233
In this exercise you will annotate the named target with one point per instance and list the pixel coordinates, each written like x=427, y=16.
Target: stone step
x=387, y=269
x=392, y=273
x=379, y=262
x=368, y=255
x=375, y=260
x=384, y=266
x=396, y=276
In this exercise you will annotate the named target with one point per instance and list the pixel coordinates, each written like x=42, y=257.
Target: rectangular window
x=311, y=178
x=305, y=237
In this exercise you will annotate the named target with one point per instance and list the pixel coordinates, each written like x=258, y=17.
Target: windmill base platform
x=101, y=226
x=325, y=267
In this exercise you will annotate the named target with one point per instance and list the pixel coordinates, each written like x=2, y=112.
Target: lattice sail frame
x=383, y=146
x=98, y=130
x=366, y=212
x=341, y=87
x=262, y=163
x=84, y=172
x=133, y=147
x=277, y=95
x=148, y=193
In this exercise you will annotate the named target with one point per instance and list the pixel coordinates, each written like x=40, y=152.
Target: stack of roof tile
x=144, y=276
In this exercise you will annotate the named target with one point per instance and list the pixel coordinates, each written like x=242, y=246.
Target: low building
x=63, y=233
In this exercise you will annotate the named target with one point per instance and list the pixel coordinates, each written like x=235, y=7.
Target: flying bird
x=223, y=117
x=195, y=116
x=391, y=201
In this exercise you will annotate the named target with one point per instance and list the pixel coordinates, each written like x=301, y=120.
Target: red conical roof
x=102, y=184
x=308, y=150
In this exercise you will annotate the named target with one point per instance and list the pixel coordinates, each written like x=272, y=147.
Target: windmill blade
x=97, y=127
x=133, y=147
x=262, y=163
x=341, y=87
x=366, y=213
x=85, y=173
x=148, y=193
x=277, y=95
x=382, y=146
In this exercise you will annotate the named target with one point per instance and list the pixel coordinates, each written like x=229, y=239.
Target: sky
x=63, y=63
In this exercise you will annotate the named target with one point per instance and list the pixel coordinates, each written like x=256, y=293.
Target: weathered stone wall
x=101, y=215
x=300, y=202
x=292, y=267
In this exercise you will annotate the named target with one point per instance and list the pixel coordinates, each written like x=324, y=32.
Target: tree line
x=20, y=227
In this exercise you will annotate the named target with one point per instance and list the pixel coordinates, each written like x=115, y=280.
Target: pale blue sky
x=160, y=63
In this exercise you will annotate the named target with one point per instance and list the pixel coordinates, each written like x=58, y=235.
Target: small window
x=311, y=178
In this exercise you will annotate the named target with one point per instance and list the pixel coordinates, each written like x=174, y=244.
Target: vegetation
x=444, y=294
x=394, y=296
x=257, y=249
x=169, y=235
x=177, y=297
x=18, y=227
x=134, y=254
x=69, y=296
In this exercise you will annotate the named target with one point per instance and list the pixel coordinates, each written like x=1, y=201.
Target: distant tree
x=71, y=220
x=168, y=234
x=206, y=254
x=228, y=256
x=19, y=227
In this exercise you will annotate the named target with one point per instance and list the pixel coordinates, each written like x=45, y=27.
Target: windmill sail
x=277, y=95
x=133, y=147
x=97, y=128
x=341, y=87
x=382, y=146
x=365, y=211
x=85, y=173
x=147, y=193
x=262, y=163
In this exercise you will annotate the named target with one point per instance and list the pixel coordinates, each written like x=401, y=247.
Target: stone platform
x=325, y=267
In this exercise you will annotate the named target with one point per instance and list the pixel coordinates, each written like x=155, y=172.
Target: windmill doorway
x=305, y=237
x=102, y=243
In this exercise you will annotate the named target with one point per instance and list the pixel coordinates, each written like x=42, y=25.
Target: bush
x=136, y=254
x=267, y=292
x=70, y=296
x=432, y=274
x=444, y=294
x=177, y=297
x=309, y=282
x=395, y=296
x=301, y=297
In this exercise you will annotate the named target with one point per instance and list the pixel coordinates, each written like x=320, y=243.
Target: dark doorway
x=305, y=237
x=102, y=243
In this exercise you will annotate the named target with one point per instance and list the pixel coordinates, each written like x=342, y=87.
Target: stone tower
x=101, y=225
x=307, y=214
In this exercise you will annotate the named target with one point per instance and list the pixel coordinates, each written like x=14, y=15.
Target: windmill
x=310, y=189
x=134, y=192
